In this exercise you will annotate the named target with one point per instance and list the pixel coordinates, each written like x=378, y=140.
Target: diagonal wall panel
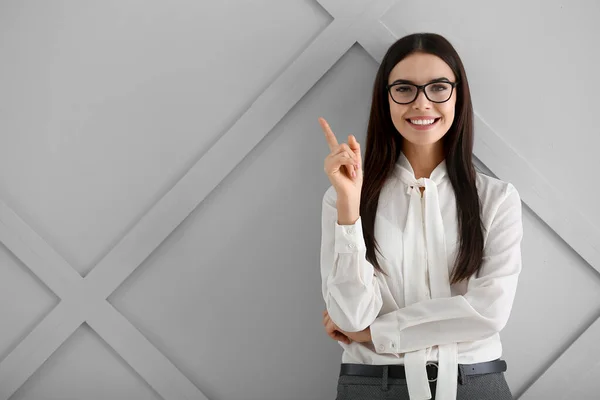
x=575, y=373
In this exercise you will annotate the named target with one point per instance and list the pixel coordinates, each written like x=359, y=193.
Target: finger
x=333, y=332
x=346, y=160
x=346, y=154
x=343, y=158
x=330, y=328
x=343, y=149
x=341, y=338
x=334, y=163
x=327, y=320
x=334, y=326
x=329, y=135
x=337, y=335
x=346, y=148
x=355, y=147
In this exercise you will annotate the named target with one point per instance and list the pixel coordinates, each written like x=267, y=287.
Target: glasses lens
x=403, y=93
x=438, y=91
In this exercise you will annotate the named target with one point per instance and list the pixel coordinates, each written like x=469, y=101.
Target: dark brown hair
x=384, y=144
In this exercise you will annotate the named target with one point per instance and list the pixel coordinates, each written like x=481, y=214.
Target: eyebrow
x=441, y=79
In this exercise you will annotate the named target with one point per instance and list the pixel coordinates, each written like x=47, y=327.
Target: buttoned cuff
x=385, y=334
x=349, y=238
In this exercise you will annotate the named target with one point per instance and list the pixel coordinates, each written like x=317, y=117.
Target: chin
x=422, y=138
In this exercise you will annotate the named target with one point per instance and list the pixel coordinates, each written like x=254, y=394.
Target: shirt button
x=350, y=230
x=381, y=347
x=350, y=246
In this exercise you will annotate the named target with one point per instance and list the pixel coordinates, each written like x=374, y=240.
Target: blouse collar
x=439, y=173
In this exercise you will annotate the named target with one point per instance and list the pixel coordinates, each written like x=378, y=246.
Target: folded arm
x=481, y=312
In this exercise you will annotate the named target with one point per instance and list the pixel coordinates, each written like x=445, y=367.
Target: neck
x=423, y=159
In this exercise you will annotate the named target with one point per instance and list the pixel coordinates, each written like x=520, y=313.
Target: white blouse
x=415, y=315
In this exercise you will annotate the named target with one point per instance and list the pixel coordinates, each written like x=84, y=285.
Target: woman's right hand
x=343, y=166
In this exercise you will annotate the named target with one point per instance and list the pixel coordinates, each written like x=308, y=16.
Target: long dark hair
x=384, y=144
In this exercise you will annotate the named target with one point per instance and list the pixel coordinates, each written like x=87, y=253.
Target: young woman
x=420, y=254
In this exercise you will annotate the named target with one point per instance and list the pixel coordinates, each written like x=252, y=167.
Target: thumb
x=355, y=146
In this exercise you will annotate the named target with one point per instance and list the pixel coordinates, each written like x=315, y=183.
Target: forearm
x=441, y=321
x=348, y=211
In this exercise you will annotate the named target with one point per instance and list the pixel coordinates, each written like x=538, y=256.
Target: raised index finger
x=329, y=136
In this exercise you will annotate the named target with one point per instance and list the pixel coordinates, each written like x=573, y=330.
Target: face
x=413, y=120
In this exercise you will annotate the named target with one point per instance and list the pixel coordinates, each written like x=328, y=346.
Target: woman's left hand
x=334, y=332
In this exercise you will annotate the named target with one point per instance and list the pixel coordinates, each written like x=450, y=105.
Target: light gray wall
x=167, y=156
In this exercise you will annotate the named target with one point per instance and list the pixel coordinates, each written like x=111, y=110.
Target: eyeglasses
x=436, y=92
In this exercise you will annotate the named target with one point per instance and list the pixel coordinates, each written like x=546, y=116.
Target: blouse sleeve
x=349, y=287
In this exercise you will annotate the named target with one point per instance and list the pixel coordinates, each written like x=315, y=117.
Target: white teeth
x=422, y=121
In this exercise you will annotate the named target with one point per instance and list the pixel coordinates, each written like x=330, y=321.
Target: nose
x=421, y=102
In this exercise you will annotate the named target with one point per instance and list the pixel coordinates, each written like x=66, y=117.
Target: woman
x=420, y=258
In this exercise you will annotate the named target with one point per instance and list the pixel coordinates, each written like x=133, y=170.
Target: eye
x=403, y=88
x=440, y=87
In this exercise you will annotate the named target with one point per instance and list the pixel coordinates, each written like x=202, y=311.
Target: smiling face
x=422, y=122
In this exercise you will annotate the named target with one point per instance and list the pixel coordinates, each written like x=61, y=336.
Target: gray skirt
x=479, y=387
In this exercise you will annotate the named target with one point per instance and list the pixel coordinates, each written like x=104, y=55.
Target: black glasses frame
x=421, y=88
